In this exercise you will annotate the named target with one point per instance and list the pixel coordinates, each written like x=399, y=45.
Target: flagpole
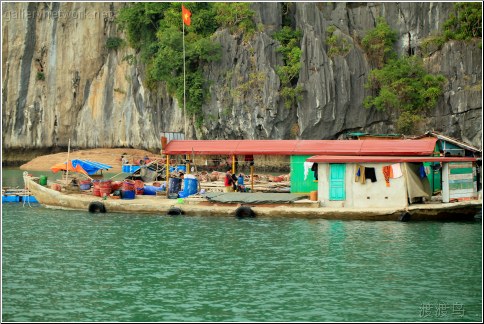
x=184, y=85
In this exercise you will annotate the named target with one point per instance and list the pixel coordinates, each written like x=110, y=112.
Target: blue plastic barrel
x=190, y=186
x=128, y=194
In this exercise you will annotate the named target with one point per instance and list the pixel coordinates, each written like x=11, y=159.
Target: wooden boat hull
x=201, y=207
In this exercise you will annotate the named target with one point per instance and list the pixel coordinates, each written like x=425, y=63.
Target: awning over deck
x=303, y=147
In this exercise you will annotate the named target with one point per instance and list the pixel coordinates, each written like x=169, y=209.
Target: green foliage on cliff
x=155, y=30
x=404, y=86
x=40, y=76
x=290, y=40
x=465, y=23
x=378, y=43
x=400, y=84
x=236, y=16
x=114, y=43
x=337, y=45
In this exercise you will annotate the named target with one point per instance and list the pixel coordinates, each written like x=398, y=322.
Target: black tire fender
x=96, y=207
x=244, y=212
x=404, y=217
x=175, y=211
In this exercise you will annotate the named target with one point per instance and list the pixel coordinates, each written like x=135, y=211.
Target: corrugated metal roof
x=450, y=140
x=302, y=147
x=265, y=147
x=385, y=159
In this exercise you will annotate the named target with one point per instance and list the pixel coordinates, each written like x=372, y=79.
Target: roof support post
x=445, y=182
x=252, y=178
x=167, y=174
x=187, y=159
x=233, y=163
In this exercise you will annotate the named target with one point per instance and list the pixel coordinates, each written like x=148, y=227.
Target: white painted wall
x=368, y=195
x=445, y=183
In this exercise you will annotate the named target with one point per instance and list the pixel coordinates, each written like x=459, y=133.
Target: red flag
x=186, y=15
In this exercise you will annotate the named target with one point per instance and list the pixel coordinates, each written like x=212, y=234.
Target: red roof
x=386, y=159
x=303, y=147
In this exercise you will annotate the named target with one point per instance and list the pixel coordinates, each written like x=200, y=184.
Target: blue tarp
x=91, y=167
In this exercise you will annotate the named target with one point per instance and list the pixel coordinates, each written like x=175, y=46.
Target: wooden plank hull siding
x=462, y=180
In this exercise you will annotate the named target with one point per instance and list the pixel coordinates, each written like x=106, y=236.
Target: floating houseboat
x=384, y=179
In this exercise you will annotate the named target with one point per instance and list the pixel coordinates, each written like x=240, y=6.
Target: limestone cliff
x=60, y=81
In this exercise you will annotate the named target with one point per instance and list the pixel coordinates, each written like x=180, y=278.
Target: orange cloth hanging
x=387, y=173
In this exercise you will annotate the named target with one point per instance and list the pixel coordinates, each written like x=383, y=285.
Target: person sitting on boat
x=124, y=159
x=228, y=182
x=240, y=183
x=147, y=159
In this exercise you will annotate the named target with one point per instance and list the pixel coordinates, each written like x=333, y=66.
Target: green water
x=75, y=266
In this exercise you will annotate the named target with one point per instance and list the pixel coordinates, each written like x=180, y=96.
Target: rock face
x=61, y=82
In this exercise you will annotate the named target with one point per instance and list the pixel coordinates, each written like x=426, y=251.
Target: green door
x=434, y=176
x=300, y=184
x=337, y=181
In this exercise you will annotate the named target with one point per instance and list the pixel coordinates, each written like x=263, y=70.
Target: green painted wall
x=298, y=184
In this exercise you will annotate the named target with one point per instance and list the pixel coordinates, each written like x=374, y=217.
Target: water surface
x=76, y=266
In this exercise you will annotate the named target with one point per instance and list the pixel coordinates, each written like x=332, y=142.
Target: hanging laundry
x=307, y=167
x=428, y=169
x=397, y=170
x=421, y=171
x=370, y=174
x=315, y=169
x=387, y=174
x=360, y=173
